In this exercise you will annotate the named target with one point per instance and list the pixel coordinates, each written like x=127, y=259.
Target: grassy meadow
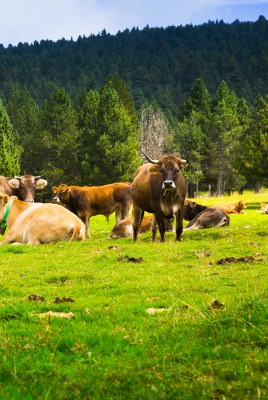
x=112, y=319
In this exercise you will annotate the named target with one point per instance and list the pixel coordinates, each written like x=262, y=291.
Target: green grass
x=157, y=320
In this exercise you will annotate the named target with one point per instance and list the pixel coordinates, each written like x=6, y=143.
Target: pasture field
x=112, y=319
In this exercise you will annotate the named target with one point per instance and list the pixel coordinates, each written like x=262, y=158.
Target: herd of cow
x=158, y=188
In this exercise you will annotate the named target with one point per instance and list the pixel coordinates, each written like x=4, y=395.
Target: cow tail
x=76, y=233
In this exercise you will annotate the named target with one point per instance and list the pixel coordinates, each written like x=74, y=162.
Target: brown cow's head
x=61, y=194
x=191, y=209
x=25, y=186
x=169, y=167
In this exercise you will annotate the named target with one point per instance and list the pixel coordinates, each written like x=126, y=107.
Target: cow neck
x=4, y=222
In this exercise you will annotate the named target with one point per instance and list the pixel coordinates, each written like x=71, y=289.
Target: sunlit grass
x=157, y=320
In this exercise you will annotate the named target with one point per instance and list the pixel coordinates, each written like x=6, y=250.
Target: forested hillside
x=78, y=112
x=156, y=63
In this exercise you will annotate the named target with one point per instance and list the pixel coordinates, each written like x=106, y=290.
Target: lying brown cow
x=191, y=209
x=87, y=201
x=37, y=223
x=209, y=218
x=232, y=208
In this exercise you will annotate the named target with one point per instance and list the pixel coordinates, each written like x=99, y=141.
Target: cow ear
x=14, y=183
x=4, y=198
x=54, y=189
x=40, y=183
x=154, y=169
x=183, y=165
x=193, y=204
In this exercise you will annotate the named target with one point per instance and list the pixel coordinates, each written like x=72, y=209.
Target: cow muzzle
x=168, y=184
x=56, y=200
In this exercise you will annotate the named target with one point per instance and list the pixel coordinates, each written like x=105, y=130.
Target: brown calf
x=87, y=201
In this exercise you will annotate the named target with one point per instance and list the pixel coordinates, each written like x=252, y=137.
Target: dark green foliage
x=156, y=63
x=109, y=138
x=24, y=116
x=10, y=150
x=59, y=140
x=254, y=152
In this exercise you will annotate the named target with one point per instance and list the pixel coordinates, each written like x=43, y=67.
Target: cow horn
x=149, y=159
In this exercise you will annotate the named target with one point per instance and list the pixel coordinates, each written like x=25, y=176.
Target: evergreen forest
x=78, y=112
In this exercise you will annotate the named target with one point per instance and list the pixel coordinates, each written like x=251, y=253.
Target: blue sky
x=30, y=20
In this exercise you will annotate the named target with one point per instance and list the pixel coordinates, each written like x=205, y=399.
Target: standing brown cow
x=159, y=188
x=22, y=186
x=87, y=201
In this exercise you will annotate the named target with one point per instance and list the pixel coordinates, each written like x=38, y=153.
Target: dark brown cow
x=22, y=186
x=209, y=218
x=191, y=209
x=159, y=188
x=87, y=201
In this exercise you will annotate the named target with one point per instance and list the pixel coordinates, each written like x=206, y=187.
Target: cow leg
x=154, y=228
x=118, y=214
x=137, y=218
x=86, y=221
x=179, y=224
x=161, y=226
x=124, y=211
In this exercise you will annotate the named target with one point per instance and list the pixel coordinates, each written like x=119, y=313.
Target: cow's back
x=45, y=223
x=94, y=200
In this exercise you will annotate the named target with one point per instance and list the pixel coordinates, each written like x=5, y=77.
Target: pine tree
x=254, y=160
x=225, y=132
x=59, y=140
x=89, y=134
x=115, y=157
x=10, y=150
x=24, y=116
x=192, y=134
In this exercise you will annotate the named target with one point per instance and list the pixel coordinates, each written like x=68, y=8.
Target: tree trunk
x=257, y=187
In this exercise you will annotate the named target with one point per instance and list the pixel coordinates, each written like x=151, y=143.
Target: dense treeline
x=156, y=63
x=96, y=140
x=84, y=132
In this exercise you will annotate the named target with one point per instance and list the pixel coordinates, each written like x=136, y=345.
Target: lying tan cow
x=124, y=228
x=232, y=208
x=87, y=201
x=264, y=208
x=37, y=223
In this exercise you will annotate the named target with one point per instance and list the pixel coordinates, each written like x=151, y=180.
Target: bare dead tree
x=153, y=131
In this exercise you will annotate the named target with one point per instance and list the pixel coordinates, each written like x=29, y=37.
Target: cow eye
x=63, y=191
